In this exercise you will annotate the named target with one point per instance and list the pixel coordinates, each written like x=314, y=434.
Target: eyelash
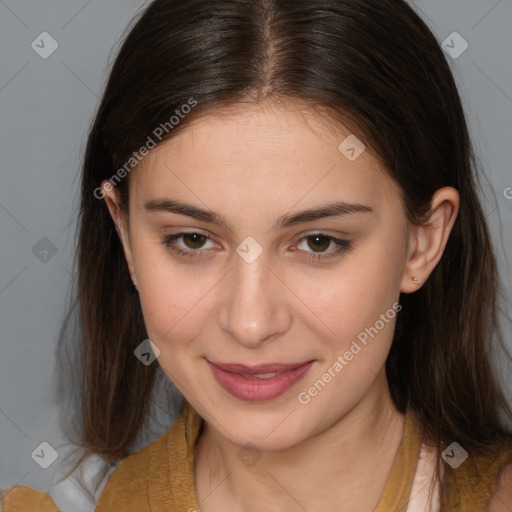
x=342, y=245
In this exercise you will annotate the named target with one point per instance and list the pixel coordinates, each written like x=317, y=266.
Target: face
x=267, y=285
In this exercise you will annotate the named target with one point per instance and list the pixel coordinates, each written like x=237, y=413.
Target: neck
x=343, y=468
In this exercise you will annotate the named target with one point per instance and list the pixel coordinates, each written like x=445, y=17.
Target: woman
x=281, y=197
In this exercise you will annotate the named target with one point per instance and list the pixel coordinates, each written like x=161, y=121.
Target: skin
x=252, y=165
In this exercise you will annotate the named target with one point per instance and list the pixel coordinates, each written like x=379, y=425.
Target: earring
x=414, y=280
x=134, y=284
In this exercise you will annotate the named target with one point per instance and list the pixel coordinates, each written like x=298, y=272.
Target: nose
x=255, y=308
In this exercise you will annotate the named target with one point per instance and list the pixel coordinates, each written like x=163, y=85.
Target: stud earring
x=414, y=280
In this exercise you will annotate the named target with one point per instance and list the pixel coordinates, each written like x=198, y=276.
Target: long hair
x=373, y=65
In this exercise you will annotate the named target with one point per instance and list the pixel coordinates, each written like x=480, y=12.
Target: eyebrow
x=334, y=209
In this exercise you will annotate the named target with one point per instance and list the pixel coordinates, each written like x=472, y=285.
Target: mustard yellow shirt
x=160, y=477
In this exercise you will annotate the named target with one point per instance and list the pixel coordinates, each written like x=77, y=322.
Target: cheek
x=175, y=314
x=360, y=309
x=174, y=303
x=173, y=309
x=352, y=296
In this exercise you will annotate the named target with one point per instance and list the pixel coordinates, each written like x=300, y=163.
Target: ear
x=428, y=241
x=112, y=200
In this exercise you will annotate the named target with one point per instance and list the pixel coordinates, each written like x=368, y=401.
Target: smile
x=257, y=383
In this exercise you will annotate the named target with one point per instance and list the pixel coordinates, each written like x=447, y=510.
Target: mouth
x=257, y=383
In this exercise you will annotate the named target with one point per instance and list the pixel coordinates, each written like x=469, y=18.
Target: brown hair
x=348, y=60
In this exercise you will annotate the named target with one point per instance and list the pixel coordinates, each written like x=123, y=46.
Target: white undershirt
x=421, y=484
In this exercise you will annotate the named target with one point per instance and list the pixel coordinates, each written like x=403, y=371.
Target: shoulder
x=129, y=483
x=160, y=475
x=126, y=484
x=501, y=500
x=24, y=498
x=484, y=481
x=77, y=492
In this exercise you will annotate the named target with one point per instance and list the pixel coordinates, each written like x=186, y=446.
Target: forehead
x=260, y=154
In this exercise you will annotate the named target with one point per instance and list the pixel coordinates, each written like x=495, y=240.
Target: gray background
x=45, y=109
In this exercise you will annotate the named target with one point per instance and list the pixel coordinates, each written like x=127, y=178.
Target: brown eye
x=196, y=240
x=187, y=244
x=316, y=246
x=319, y=242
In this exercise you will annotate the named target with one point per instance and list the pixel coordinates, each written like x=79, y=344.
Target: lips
x=262, y=382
